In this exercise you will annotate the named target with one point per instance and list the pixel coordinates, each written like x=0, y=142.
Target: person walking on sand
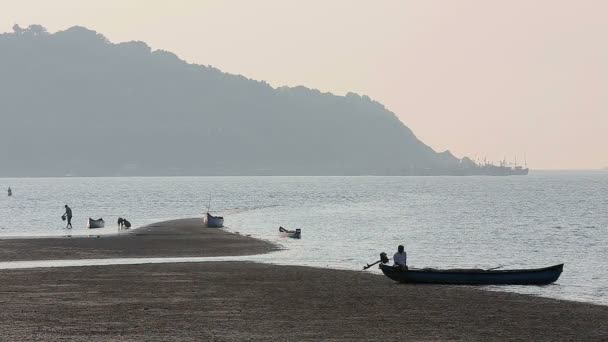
x=68, y=215
x=400, y=258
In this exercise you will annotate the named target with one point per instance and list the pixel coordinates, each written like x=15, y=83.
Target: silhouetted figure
x=400, y=258
x=10, y=192
x=68, y=215
x=123, y=223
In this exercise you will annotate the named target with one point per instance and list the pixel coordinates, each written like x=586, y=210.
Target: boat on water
x=213, y=221
x=536, y=276
x=468, y=167
x=520, y=171
x=99, y=223
x=294, y=234
x=10, y=192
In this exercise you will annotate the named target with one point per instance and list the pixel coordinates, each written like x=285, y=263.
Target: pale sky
x=482, y=78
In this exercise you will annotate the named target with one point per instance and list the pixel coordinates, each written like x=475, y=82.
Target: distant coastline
x=480, y=171
x=172, y=118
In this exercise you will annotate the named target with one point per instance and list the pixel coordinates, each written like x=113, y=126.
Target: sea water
x=531, y=221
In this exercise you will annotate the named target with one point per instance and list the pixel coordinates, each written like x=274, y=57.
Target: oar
x=495, y=268
x=383, y=259
x=370, y=265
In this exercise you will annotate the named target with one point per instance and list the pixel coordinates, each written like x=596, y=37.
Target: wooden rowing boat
x=537, y=276
x=213, y=221
x=294, y=234
x=99, y=223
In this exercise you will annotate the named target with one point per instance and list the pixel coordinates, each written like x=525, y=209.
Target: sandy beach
x=236, y=301
x=176, y=238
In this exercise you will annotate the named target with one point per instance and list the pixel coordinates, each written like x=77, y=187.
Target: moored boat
x=294, y=234
x=537, y=276
x=99, y=223
x=213, y=221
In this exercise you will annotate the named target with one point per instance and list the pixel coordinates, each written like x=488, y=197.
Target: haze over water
x=543, y=219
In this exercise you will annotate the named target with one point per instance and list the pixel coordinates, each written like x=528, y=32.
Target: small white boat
x=213, y=221
x=99, y=223
x=294, y=234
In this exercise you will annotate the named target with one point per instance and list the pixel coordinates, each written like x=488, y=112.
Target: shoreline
x=174, y=238
x=235, y=301
x=241, y=300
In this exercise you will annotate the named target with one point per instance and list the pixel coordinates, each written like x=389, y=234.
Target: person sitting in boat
x=400, y=258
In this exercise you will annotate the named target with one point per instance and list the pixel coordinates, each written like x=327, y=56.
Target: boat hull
x=95, y=223
x=213, y=221
x=293, y=235
x=539, y=276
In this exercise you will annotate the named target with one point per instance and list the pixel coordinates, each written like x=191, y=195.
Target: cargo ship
x=503, y=169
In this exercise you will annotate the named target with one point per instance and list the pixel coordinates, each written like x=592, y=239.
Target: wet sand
x=176, y=238
x=240, y=301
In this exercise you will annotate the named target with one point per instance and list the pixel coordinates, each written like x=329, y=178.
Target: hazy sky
x=481, y=78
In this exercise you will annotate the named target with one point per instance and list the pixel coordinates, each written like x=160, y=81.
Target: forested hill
x=73, y=103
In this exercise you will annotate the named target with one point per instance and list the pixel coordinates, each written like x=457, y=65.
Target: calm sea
x=533, y=221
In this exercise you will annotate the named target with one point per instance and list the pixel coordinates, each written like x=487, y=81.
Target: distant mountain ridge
x=74, y=103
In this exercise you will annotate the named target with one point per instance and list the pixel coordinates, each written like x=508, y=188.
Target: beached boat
x=213, y=221
x=537, y=276
x=99, y=223
x=294, y=234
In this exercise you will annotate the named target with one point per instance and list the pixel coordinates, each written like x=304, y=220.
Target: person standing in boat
x=68, y=215
x=400, y=258
x=10, y=192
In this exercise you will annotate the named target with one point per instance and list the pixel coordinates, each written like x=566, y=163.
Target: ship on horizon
x=466, y=167
x=471, y=168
